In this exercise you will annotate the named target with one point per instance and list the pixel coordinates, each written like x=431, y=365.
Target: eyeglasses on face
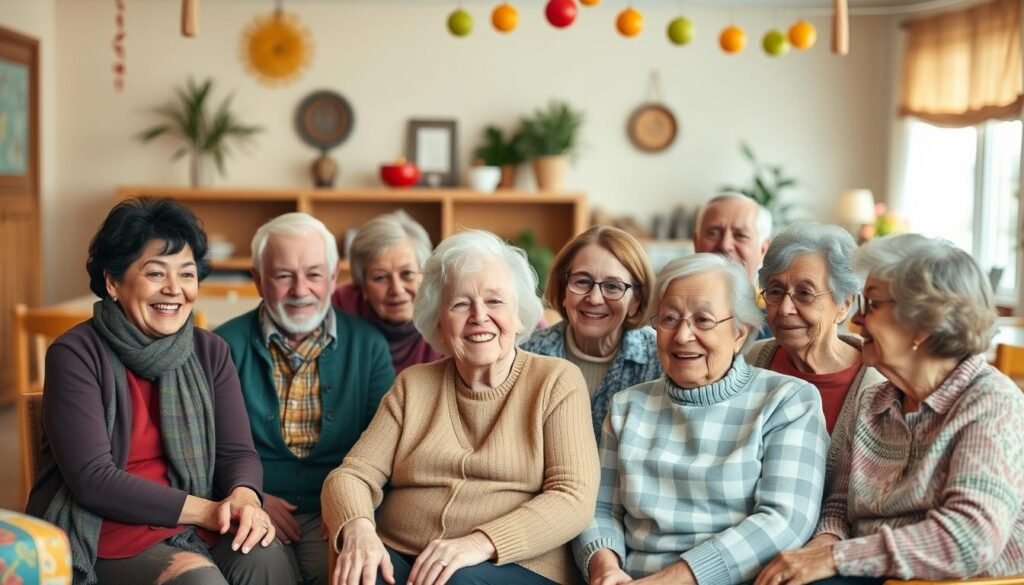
x=865, y=305
x=669, y=321
x=611, y=290
x=774, y=295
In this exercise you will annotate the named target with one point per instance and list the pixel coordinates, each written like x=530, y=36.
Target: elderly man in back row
x=312, y=379
x=737, y=227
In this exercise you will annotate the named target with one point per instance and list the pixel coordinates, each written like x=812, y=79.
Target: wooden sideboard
x=234, y=213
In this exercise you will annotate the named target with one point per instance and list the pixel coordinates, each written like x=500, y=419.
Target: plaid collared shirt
x=297, y=381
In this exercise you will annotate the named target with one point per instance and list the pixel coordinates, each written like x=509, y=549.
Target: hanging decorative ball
x=733, y=39
x=802, y=35
x=681, y=31
x=630, y=22
x=590, y=2
x=276, y=48
x=460, y=23
x=505, y=18
x=775, y=43
x=560, y=13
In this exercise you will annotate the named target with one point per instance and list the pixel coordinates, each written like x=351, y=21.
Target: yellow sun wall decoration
x=276, y=48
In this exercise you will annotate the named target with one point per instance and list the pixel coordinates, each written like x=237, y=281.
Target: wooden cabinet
x=233, y=214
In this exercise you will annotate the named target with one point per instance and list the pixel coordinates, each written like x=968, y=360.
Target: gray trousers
x=308, y=555
x=262, y=566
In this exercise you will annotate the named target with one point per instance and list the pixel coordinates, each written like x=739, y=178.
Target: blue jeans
x=486, y=573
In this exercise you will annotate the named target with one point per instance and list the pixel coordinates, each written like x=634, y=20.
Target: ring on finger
x=444, y=564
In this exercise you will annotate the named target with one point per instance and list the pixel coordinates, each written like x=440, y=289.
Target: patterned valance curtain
x=964, y=67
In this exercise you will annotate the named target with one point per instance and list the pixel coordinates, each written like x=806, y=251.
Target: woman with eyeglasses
x=808, y=286
x=931, y=483
x=600, y=283
x=386, y=258
x=708, y=472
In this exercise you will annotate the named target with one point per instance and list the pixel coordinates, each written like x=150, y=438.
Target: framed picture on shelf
x=433, y=146
x=19, y=113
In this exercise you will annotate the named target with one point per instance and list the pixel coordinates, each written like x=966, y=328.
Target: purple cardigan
x=76, y=450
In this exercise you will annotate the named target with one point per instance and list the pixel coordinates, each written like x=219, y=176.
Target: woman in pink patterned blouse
x=929, y=482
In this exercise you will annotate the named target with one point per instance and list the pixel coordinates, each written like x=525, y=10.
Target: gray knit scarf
x=186, y=426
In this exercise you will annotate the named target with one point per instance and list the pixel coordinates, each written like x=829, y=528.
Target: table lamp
x=856, y=208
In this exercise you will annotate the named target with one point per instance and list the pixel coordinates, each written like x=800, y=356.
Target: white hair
x=465, y=253
x=763, y=223
x=834, y=244
x=294, y=224
x=742, y=297
x=383, y=232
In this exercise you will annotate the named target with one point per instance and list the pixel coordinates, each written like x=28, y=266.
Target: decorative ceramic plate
x=652, y=127
x=324, y=119
x=277, y=48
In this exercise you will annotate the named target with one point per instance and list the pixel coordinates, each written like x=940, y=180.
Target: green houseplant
x=538, y=255
x=549, y=138
x=205, y=137
x=498, y=152
x=766, y=187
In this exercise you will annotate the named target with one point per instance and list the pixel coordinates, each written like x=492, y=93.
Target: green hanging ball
x=775, y=43
x=681, y=30
x=460, y=23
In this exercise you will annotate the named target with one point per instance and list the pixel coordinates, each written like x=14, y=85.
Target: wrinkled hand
x=442, y=558
x=280, y=512
x=813, y=562
x=362, y=553
x=604, y=569
x=242, y=511
x=676, y=573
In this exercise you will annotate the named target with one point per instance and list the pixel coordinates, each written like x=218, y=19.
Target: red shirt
x=146, y=460
x=832, y=387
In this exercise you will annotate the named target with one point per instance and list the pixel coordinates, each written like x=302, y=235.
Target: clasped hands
x=241, y=512
x=363, y=554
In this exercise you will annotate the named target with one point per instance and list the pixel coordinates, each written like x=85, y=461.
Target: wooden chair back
x=33, y=332
x=1010, y=360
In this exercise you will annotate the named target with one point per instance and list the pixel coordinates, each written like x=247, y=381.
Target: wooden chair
x=1010, y=360
x=34, y=330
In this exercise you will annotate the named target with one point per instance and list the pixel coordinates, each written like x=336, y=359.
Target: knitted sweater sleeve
x=355, y=489
x=606, y=530
x=834, y=518
x=980, y=499
x=786, y=498
x=566, y=503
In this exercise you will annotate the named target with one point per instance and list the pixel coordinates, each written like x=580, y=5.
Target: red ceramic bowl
x=403, y=175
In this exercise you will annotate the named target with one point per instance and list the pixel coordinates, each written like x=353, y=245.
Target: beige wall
x=825, y=118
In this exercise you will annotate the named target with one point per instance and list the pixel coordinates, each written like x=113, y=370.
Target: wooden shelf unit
x=234, y=213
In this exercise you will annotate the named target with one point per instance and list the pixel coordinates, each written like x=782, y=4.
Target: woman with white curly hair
x=930, y=484
x=487, y=455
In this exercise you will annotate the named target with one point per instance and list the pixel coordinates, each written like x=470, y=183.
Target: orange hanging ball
x=590, y=2
x=802, y=35
x=630, y=22
x=505, y=18
x=733, y=39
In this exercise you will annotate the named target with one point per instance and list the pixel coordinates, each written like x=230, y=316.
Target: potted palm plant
x=205, y=137
x=549, y=138
x=498, y=152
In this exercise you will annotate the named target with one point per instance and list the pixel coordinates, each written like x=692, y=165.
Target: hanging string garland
x=118, y=45
x=277, y=47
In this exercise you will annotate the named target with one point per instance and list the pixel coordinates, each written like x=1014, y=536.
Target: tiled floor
x=10, y=460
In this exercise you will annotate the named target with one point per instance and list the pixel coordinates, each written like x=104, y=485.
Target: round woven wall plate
x=652, y=128
x=324, y=119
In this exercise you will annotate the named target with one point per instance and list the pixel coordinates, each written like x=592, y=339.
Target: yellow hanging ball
x=590, y=2
x=630, y=22
x=802, y=35
x=733, y=39
x=505, y=18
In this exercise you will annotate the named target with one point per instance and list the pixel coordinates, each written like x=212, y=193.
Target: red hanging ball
x=560, y=13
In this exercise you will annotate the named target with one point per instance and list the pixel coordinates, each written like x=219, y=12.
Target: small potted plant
x=549, y=138
x=505, y=154
x=205, y=136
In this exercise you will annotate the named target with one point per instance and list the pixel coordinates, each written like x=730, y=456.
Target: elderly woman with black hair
x=147, y=457
x=930, y=485
x=808, y=287
x=487, y=456
x=386, y=258
x=709, y=471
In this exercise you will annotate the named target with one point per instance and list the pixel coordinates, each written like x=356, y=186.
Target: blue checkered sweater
x=723, y=476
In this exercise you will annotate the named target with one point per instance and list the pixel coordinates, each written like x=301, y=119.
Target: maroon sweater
x=75, y=450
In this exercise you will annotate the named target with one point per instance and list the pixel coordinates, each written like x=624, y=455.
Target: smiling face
x=594, y=318
x=696, y=358
x=391, y=281
x=479, y=319
x=295, y=283
x=797, y=327
x=729, y=227
x=157, y=290
x=887, y=342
